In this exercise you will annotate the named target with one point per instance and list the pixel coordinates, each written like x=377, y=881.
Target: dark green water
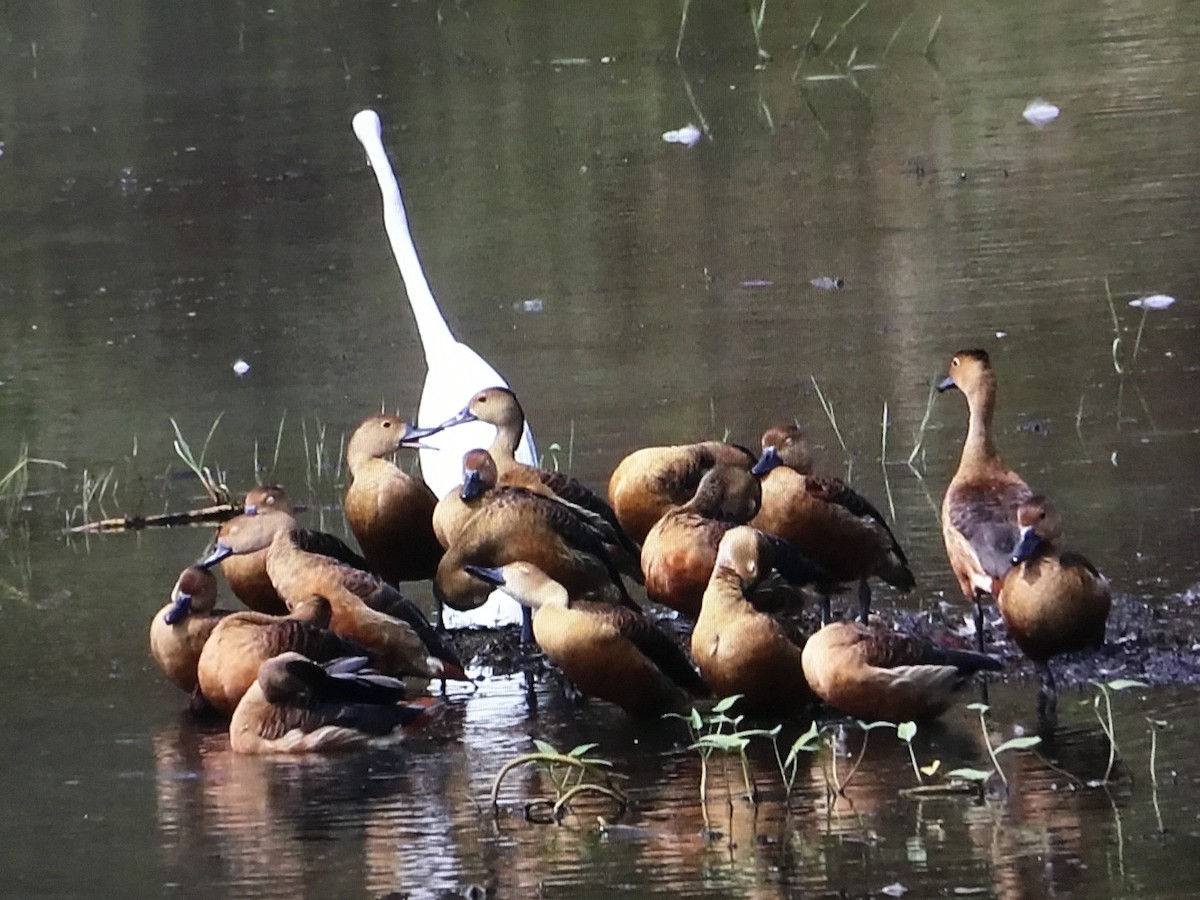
x=180, y=189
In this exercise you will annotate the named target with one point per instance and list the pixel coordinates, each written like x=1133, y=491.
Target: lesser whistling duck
x=298, y=706
x=499, y=406
x=180, y=629
x=389, y=511
x=513, y=524
x=247, y=574
x=366, y=610
x=884, y=676
x=650, y=481
x=826, y=519
x=979, y=511
x=1053, y=601
x=680, y=550
x=241, y=642
x=606, y=651
x=453, y=511
x=738, y=649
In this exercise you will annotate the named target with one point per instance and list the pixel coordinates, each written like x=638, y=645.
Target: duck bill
x=459, y=418
x=768, y=461
x=488, y=574
x=219, y=552
x=946, y=384
x=472, y=485
x=180, y=606
x=1026, y=547
x=412, y=436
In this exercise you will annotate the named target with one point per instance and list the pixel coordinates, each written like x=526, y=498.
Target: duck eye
x=387, y=424
x=954, y=362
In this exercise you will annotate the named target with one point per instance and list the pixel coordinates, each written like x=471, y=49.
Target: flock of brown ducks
x=729, y=539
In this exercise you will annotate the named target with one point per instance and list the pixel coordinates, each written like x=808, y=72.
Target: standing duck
x=242, y=641
x=606, y=651
x=679, y=552
x=1053, y=601
x=389, y=511
x=650, y=481
x=826, y=519
x=247, y=574
x=884, y=676
x=740, y=650
x=979, y=511
x=298, y=706
x=366, y=610
x=179, y=631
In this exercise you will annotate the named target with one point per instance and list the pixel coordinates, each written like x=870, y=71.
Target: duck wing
x=325, y=544
x=653, y=643
x=836, y=491
x=578, y=493
x=892, y=649
x=987, y=518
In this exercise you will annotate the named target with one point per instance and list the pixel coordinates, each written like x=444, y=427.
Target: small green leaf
x=931, y=769
x=726, y=742
x=543, y=747
x=582, y=749
x=969, y=774
x=1019, y=743
x=906, y=731
x=1124, y=684
x=809, y=742
x=726, y=702
x=871, y=726
x=696, y=721
x=978, y=707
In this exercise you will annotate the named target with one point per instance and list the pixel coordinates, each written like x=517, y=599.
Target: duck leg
x=826, y=610
x=526, y=626
x=979, y=639
x=864, y=601
x=1047, y=701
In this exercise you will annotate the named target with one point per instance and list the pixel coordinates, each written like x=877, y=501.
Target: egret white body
x=455, y=371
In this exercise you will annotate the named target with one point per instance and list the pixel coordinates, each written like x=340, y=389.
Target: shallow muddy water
x=180, y=189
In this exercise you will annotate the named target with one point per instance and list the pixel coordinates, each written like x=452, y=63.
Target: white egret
x=454, y=373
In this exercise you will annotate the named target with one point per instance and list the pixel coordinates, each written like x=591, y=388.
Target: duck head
x=743, y=552
x=790, y=446
x=195, y=591
x=1040, y=527
x=969, y=369
x=524, y=582
x=729, y=493
x=479, y=474
x=247, y=534
x=382, y=435
x=265, y=498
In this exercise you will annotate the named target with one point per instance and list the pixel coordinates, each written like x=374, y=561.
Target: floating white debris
x=240, y=368
x=1000, y=335
x=1040, y=113
x=757, y=283
x=532, y=305
x=689, y=135
x=896, y=889
x=1153, y=301
x=826, y=283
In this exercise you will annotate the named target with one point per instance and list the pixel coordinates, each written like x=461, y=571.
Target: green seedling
x=981, y=776
x=1106, y=718
x=573, y=774
x=809, y=742
x=213, y=479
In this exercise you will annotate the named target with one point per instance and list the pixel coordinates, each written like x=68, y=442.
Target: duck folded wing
x=653, y=643
x=834, y=490
x=988, y=521
x=326, y=544
x=382, y=597
x=576, y=492
x=893, y=650
x=795, y=567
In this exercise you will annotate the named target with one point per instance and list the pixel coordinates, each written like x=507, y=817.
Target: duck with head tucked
x=499, y=406
x=179, y=631
x=884, y=676
x=649, y=482
x=242, y=641
x=247, y=573
x=825, y=519
x=606, y=651
x=511, y=524
x=740, y=650
x=679, y=552
x=1053, y=601
x=389, y=511
x=366, y=610
x=979, y=511
x=298, y=706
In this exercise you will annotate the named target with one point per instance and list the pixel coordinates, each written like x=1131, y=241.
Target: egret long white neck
x=435, y=333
